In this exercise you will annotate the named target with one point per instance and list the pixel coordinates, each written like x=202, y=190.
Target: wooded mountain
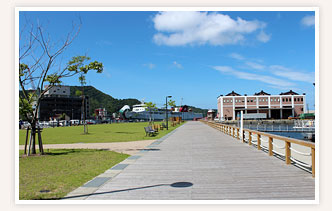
x=199, y=110
x=98, y=99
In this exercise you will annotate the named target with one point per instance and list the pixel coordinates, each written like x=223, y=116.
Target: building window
x=231, y=101
x=283, y=99
x=224, y=101
x=236, y=101
x=251, y=100
x=227, y=101
x=302, y=99
x=294, y=99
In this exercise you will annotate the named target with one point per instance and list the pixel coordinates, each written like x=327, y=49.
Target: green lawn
x=61, y=171
x=117, y=132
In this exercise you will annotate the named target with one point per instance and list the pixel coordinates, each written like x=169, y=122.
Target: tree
x=82, y=80
x=38, y=62
x=78, y=93
x=150, y=107
x=171, y=103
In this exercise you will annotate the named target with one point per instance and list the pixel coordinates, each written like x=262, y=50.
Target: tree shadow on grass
x=126, y=132
x=56, y=152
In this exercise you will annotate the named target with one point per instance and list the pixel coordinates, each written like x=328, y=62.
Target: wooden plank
x=258, y=141
x=270, y=146
x=313, y=161
x=287, y=153
x=250, y=138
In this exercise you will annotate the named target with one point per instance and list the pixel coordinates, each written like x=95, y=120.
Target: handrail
x=234, y=132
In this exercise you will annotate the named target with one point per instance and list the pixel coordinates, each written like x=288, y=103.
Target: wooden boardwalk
x=198, y=162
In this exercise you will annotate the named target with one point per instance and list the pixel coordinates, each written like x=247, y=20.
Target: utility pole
x=167, y=112
x=180, y=107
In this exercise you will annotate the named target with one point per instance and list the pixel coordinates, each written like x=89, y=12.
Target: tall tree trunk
x=33, y=137
x=26, y=141
x=40, y=142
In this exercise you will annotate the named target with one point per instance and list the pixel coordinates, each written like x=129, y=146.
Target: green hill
x=199, y=110
x=99, y=99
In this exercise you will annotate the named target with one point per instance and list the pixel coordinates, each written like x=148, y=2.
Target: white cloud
x=150, y=65
x=255, y=66
x=263, y=37
x=197, y=28
x=236, y=56
x=177, y=65
x=254, y=77
x=285, y=72
x=308, y=20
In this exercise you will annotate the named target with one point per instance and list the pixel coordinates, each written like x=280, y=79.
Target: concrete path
x=130, y=147
x=198, y=162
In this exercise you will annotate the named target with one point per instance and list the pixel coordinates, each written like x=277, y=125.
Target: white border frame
x=314, y=9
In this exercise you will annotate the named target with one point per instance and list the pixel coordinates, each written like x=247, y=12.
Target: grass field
x=117, y=132
x=58, y=172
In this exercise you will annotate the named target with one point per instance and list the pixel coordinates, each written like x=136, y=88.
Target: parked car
x=74, y=122
x=90, y=122
x=293, y=117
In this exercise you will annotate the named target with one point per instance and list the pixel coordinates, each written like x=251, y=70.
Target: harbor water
x=282, y=129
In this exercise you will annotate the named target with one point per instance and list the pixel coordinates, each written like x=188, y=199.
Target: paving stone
x=134, y=157
x=97, y=182
x=119, y=167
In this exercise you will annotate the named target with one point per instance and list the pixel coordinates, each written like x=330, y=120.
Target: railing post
x=237, y=133
x=233, y=132
x=313, y=161
x=258, y=141
x=249, y=138
x=229, y=130
x=270, y=146
x=243, y=133
x=287, y=152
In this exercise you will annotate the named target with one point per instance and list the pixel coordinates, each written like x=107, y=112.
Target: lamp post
x=167, y=112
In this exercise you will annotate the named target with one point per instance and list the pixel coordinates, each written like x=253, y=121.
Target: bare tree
x=38, y=66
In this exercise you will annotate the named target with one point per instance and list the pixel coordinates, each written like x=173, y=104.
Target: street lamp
x=167, y=112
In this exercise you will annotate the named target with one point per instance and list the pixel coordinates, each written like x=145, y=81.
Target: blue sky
x=191, y=55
